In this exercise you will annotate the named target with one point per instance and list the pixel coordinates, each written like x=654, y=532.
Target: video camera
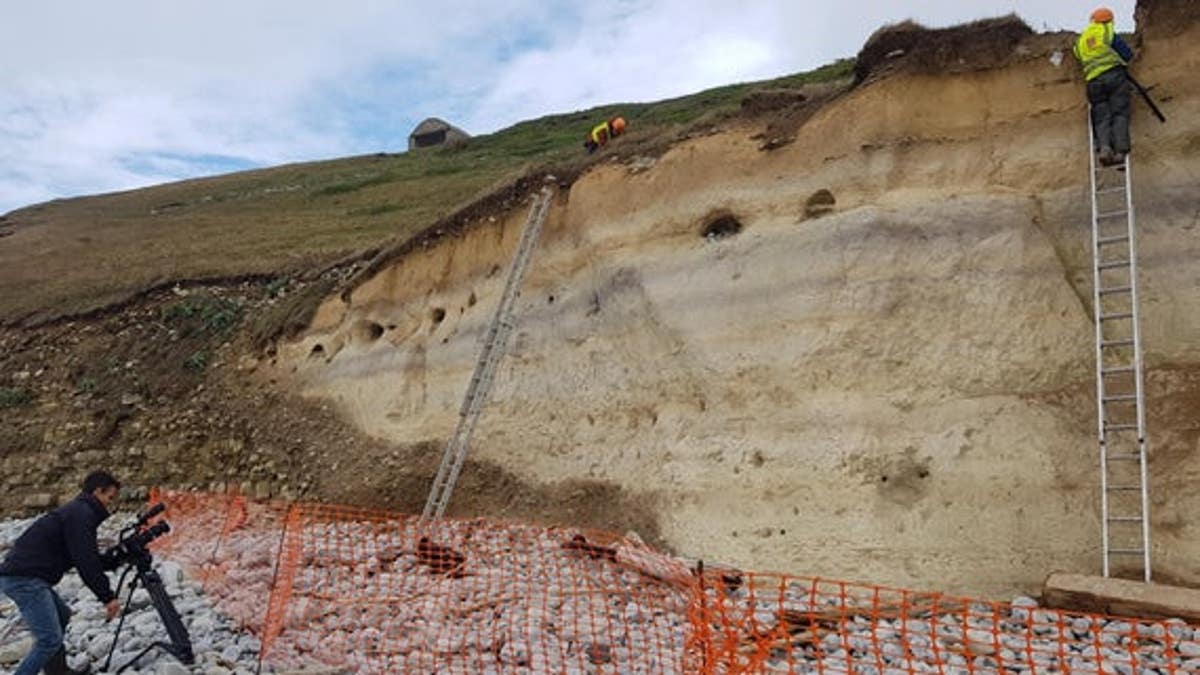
x=133, y=540
x=132, y=551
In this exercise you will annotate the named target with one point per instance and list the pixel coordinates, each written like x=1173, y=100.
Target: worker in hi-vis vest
x=1104, y=56
x=602, y=132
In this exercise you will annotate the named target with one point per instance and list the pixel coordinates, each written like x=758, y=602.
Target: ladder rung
x=1116, y=289
x=1109, y=191
x=1117, y=343
x=1121, y=397
x=1125, y=457
x=1120, y=427
x=1114, y=264
x=1124, y=488
x=1117, y=371
x=1112, y=240
x=1116, y=317
x=1110, y=214
x=1125, y=551
x=1124, y=519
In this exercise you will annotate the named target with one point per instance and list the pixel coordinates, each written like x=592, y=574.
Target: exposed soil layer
x=1165, y=18
x=166, y=392
x=784, y=111
x=908, y=46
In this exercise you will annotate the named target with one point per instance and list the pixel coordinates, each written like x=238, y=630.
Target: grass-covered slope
x=76, y=255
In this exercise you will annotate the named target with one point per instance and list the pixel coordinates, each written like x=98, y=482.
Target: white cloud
x=673, y=47
x=103, y=96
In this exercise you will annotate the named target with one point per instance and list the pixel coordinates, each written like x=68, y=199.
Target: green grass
x=75, y=255
x=197, y=362
x=203, y=314
x=87, y=385
x=354, y=185
x=14, y=397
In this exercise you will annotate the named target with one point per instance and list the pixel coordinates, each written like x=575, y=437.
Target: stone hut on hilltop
x=434, y=131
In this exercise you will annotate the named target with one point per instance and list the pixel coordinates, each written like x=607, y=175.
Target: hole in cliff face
x=721, y=226
x=438, y=315
x=472, y=300
x=318, y=351
x=366, y=332
x=550, y=300
x=819, y=203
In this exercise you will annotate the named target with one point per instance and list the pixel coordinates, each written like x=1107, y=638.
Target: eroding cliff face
x=891, y=383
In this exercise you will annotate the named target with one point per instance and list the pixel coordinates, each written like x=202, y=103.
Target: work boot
x=1106, y=156
x=57, y=665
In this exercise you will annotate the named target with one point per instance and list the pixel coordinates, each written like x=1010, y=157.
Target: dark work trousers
x=1109, y=96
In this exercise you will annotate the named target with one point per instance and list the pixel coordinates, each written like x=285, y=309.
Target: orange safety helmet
x=1102, y=15
x=617, y=124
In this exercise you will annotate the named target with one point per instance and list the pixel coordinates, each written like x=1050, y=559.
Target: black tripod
x=131, y=551
x=180, y=645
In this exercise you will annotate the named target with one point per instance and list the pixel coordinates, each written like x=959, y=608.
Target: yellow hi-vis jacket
x=600, y=133
x=1095, y=51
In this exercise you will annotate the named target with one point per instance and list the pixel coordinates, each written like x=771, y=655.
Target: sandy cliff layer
x=899, y=391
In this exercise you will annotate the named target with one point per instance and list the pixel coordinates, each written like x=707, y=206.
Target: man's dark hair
x=99, y=479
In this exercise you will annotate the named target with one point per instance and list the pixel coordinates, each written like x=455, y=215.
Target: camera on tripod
x=132, y=542
x=131, y=550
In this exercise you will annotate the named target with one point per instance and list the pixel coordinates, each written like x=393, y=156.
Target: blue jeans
x=45, y=615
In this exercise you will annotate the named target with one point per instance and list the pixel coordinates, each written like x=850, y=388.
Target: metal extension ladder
x=494, y=343
x=1120, y=400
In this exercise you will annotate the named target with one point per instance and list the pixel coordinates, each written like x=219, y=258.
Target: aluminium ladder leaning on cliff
x=1120, y=399
x=494, y=343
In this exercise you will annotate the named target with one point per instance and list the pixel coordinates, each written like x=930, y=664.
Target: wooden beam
x=1120, y=597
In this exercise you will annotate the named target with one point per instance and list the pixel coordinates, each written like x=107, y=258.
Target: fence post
x=290, y=546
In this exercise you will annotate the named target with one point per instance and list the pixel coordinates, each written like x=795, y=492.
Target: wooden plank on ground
x=1121, y=597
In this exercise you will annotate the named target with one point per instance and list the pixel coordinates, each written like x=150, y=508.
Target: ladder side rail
x=529, y=236
x=1096, y=313
x=495, y=341
x=516, y=270
x=459, y=459
x=493, y=351
x=452, y=460
x=435, y=492
x=456, y=449
x=1139, y=387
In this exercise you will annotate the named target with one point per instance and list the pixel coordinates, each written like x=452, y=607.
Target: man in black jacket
x=56, y=542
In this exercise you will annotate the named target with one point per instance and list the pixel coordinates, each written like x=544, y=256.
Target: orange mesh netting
x=372, y=591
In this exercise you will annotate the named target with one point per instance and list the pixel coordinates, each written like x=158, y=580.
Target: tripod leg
x=124, y=613
x=181, y=642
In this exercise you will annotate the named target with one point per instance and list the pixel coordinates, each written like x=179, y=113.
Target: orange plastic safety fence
x=751, y=623
x=374, y=592
x=228, y=543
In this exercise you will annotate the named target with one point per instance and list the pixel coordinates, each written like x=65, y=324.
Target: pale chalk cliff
x=900, y=389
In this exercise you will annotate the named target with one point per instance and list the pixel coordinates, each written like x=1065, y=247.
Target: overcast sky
x=102, y=96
